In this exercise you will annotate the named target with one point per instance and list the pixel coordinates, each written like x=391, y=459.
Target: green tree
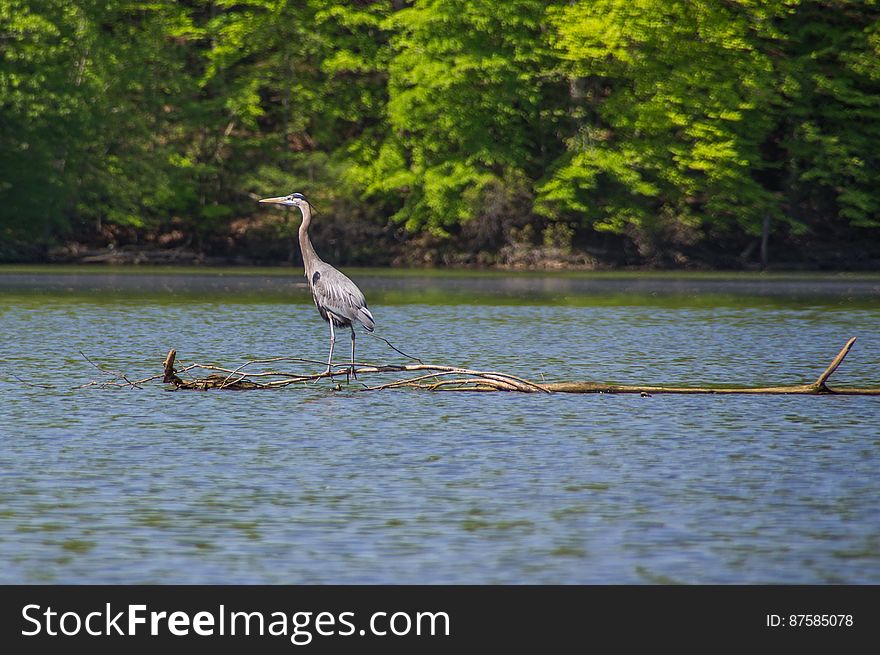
x=87, y=90
x=287, y=91
x=42, y=99
x=666, y=123
x=466, y=109
x=675, y=101
x=828, y=122
x=706, y=118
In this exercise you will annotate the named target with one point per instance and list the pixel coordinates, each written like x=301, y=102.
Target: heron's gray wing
x=338, y=295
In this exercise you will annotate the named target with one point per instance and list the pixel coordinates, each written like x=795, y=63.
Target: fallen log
x=432, y=377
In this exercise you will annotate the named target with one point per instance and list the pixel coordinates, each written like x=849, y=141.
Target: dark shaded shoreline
x=830, y=257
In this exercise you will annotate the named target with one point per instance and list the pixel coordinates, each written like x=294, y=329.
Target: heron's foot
x=353, y=372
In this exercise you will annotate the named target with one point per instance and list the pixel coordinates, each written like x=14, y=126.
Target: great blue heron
x=337, y=298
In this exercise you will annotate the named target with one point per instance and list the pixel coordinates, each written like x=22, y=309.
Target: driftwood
x=432, y=377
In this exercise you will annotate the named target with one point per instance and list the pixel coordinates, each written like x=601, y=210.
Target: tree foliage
x=668, y=123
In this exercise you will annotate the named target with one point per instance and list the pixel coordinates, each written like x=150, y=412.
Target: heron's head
x=293, y=200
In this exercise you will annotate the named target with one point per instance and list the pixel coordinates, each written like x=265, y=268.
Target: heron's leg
x=352, y=352
x=332, y=342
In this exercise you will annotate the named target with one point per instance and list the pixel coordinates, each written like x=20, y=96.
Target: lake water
x=311, y=485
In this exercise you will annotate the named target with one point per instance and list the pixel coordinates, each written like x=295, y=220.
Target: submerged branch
x=434, y=377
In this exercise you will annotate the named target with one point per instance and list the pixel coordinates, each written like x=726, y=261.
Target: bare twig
x=430, y=377
x=506, y=378
x=116, y=374
x=236, y=371
x=467, y=384
x=395, y=349
x=409, y=382
x=838, y=360
x=32, y=384
x=168, y=366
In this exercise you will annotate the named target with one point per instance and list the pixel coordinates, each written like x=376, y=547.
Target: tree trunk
x=765, y=237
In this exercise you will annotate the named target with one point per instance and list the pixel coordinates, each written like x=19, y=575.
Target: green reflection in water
x=296, y=272
x=30, y=286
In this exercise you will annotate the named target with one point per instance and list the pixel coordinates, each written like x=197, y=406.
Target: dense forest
x=591, y=133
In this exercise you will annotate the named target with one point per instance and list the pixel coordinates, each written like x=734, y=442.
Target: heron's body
x=337, y=298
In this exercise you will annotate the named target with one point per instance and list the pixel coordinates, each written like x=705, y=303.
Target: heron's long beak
x=273, y=201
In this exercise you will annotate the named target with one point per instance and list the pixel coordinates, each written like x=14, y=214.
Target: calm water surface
x=308, y=484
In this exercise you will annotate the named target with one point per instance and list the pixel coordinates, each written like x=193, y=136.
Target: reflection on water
x=310, y=485
x=434, y=287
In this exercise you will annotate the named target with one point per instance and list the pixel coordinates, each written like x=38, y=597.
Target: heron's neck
x=310, y=257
